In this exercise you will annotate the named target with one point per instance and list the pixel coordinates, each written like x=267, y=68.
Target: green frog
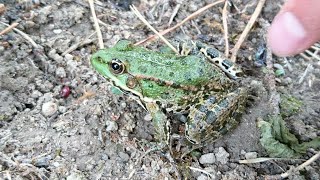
x=198, y=83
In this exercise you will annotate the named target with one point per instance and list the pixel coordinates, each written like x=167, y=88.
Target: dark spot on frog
x=180, y=48
x=187, y=76
x=165, y=95
x=199, y=45
x=227, y=64
x=211, y=117
x=203, y=108
x=175, y=85
x=224, y=103
x=213, y=53
x=143, y=69
x=183, y=62
x=200, y=72
x=171, y=74
x=211, y=100
x=223, y=130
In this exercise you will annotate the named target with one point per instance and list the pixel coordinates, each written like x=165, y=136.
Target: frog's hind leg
x=215, y=116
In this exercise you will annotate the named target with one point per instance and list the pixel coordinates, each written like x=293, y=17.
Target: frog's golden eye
x=116, y=66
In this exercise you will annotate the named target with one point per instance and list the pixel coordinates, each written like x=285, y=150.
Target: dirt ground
x=95, y=134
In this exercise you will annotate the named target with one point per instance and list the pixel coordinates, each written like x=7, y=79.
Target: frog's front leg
x=215, y=116
x=160, y=123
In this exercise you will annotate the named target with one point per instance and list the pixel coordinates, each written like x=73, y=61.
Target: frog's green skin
x=189, y=84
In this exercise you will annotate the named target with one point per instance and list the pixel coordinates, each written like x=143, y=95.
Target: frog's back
x=185, y=70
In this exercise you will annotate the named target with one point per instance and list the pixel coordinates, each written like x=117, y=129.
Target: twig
x=96, y=24
x=174, y=13
x=203, y=171
x=87, y=40
x=193, y=15
x=9, y=28
x=264, y=159
x=312, y=54
x=225, y=28
x=303, y=165
x=136, y=12
x=247, y=29
x=24, y=35
x=305, y=73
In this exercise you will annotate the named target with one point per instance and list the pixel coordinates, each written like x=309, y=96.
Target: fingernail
x=286, y=34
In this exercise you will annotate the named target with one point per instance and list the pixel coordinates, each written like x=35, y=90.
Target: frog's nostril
x=99, y=58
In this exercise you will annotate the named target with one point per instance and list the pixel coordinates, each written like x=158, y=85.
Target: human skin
x=295, y=28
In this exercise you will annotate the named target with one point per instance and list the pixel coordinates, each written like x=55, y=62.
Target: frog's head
x=111, y=64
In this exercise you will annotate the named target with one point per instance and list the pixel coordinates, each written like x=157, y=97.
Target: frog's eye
x=116, y=66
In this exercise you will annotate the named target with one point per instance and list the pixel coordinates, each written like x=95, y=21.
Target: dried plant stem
x=134, y=10
x=85, y=41
x=247, y=29
x=303, y=165
x=96, y=24
x=193, y=15
x=175, y=11
x=202, y=171
x=9, y=28
x=225, y=28
x=24, y=35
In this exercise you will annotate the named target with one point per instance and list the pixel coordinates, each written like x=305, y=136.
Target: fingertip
x=295, y=28
x=286, y=34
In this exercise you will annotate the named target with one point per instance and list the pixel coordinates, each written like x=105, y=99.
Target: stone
x=207, y=158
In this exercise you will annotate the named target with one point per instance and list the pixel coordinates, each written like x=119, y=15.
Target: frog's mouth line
x=134, y=94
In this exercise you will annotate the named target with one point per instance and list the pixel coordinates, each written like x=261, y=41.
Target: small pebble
x=49, y=108
x=76, y=176
x=62, y=109
x=60, y=72
x=1, y=49
x=57, y=31
x=287, y=81
x=43, y=161
x=192, y=7
x=124, y=156
x=68, y=57
x=111, y=126
x=207, y=158
x=123, y=105
x=202, y=177
x=2, y=8
x=36, y=94
x=279, y=69
x=251, y=155
x=222, y=155
x=147, y=117
x=124, y=132
x=56, y=164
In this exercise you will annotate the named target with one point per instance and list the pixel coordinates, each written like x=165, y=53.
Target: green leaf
x=279, y=142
